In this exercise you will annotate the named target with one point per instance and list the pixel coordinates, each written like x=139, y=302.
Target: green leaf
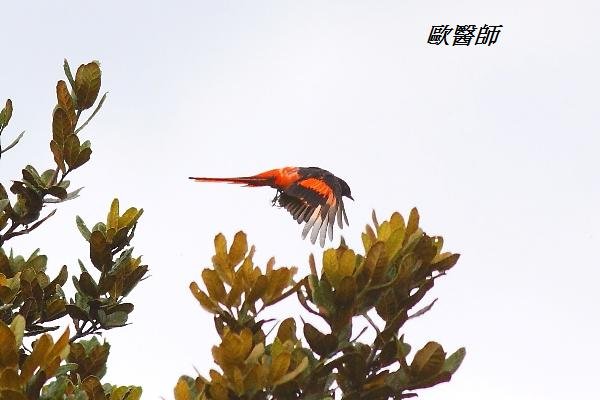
x=88, y=285
x=116, y=319
x=58, y=192
x=68, y=73
x=85, y=232
x=85, y=152
x=17, y=326
x=453, y=362
x=31, y=176
x=6, y=114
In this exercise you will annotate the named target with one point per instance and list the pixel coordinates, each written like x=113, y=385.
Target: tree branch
x=11, y=233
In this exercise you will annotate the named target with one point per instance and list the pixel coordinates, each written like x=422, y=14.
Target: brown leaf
x=65, y=101
x=93, y=388
x=287, y=330
x=87, y=84
x=57, y=151
x=322, y=344
x=61, y=126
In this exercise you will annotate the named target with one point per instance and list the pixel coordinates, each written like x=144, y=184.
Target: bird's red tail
x=243, y=180
x=279, y=178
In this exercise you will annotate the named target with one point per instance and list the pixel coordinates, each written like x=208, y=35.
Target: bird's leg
x=274, y=201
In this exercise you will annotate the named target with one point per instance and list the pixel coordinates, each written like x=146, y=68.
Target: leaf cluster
x=37, y=189
x=31, y=302
x=399, y=266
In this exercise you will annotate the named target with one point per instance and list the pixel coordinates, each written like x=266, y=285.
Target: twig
x=42, y=330
x=93, y=114
x=12, y=233
x=13, y=144
x=82, y=333
x=282, y=296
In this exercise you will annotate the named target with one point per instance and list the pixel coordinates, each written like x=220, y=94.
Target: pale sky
x=497, y=147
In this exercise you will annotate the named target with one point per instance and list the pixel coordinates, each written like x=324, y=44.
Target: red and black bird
x=312, y=195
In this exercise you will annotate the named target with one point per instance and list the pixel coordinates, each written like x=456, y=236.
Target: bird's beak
x=350, y=197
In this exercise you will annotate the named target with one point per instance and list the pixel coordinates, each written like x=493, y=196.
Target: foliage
x=399, y=266
x=32, y=364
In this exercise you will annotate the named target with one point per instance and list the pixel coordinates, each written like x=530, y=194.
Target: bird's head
x=346, y=189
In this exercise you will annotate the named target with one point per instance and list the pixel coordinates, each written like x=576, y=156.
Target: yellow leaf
x=428, y=361
x=18, y=328
x=366, y=239
x=61, y=347
x=294, y=373
x=112, y=220
x=214, y=285
x=238, y=381
x=218, y=392
x=258, y=289
x=238, y=249
x=278, y=280
x=36, y=358
x=256, y=378
x=394, y=243
x=234, y=297
x=182, y=390
x=384, y=231
x=397, y=221
x=331, y=266
x=347, y=263
x=235, y=348
x=205, y=301
x=412, y=224
x=220, y=245
x=256, y=353
x=129, y=217
x=279, y=366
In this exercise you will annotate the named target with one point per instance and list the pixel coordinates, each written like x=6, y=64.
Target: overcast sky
x=496, y=145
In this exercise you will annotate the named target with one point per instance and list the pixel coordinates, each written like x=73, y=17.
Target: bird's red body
x=312, y=195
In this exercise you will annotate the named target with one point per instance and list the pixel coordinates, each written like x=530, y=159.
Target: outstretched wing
x=317, y=202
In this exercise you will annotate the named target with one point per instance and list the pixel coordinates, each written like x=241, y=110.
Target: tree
x=400, y=265
x=34, y=365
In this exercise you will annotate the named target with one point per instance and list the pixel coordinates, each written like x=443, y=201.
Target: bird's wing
x=316, y=202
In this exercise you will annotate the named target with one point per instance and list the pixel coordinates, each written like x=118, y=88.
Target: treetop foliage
x=399, y=266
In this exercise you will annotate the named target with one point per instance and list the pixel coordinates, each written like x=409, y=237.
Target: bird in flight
x=312, y=195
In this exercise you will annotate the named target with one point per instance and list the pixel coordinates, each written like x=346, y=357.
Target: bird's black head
x=345, y=189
